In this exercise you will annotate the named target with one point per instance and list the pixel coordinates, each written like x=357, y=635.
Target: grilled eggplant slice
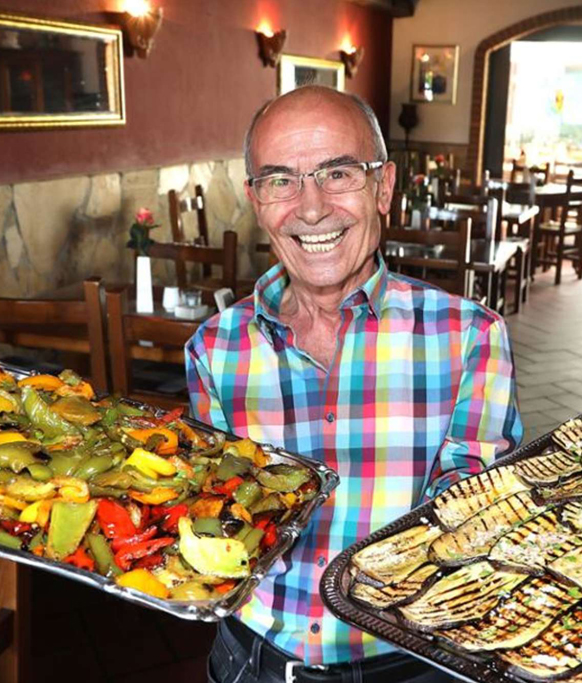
x=478, y=535
x=394, y=594
x=469, y=496
x=555, y=652
x=392, y=559
x=571, y=489
x=548, y=469
x=569, y=567
x=521, y=618
x=465, y=595
x=535, y=544
x=572, y=515
x=569, y=436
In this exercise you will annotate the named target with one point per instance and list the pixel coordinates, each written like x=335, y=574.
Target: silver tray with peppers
x=150, y=506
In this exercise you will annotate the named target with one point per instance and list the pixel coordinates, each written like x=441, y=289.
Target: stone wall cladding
x=56, y=232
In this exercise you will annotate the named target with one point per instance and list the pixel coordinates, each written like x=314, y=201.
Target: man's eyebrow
x=338, y=161
x=269, y=169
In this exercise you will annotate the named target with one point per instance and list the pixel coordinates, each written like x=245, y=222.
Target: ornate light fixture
x=351, y=56
x=139, y=23
x=270, y=44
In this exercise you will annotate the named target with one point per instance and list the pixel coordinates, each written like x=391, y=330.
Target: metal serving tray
x=199, y=610
x=386, y=625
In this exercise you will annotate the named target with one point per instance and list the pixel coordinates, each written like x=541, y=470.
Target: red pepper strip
x=229, y=486
x=80, y=559
x=262, y=523
x=118, y=544
x=169, y=515
x=225, y=586
x=115, y=520
x=134, y=552
x=150, y=562
x=15, y=528
x=145, y=516
x=174, y=414
x=270, y=537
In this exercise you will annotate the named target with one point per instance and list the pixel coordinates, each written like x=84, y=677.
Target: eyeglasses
x=280, y=187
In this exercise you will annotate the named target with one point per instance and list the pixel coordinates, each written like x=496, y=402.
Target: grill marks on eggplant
x=556, y=651
x=533, y=545
x=396, y=557
x=469, y=496
x=569, y=436
x=466, y=594
x=565, y=491
x=549, y=469
x=569, y=567
x=394, y=594
x=476, y=537
x=572, y=515
x=523, y=616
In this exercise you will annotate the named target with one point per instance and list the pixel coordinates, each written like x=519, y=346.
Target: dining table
x=488, y=257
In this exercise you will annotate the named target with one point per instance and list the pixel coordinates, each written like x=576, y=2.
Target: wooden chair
x=450, y=271
x=225, y=257
x=68, y=325
x=179, y=206
x=523, y=173
x=554, y=232
x=125, y=332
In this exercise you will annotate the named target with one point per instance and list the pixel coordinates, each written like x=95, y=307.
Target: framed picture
x=434, y=73
x=296, y=71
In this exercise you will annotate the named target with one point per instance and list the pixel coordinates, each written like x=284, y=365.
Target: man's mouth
x=320, y=243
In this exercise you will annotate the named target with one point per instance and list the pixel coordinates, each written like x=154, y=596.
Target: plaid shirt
x=421, y=392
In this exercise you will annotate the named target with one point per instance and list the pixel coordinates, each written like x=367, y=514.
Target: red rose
x=144, y=217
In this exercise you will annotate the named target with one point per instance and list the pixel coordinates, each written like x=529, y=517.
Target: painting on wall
x=296, y=71
x=434, y=73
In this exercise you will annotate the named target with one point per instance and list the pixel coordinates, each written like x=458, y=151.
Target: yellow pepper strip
x=72, y=489
x=159, y=495
x=150, y=464
x=38, y=513
x=144, y=581
x=7, y=379
x=10, y=437
x=246, y=448
x=6, y=406
x=192, y=435
x=11, y=502
x=289, y=499
x=167, y=447
x=82, y=389
x=240, y=512
x=181, y=465
x=47, y=382
x=38, y=550
x=207, y=507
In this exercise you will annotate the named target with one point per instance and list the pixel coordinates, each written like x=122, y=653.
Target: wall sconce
x=139, y=23
x=351, y=57
x=270, y=44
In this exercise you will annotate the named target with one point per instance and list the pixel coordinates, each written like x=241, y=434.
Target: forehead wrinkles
x=327, y=130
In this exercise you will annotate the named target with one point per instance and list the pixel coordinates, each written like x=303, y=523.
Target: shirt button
x=314, y=628
x=330, y=417
x=321, y=561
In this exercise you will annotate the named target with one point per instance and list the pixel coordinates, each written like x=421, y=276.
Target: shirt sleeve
x=204, y=400
x=485, y=423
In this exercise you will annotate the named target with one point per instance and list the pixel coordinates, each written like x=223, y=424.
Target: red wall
x=194, y=96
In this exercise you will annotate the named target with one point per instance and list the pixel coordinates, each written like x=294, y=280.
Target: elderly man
x=397, y=385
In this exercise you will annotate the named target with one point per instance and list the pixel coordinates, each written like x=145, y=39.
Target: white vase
x=144, y=295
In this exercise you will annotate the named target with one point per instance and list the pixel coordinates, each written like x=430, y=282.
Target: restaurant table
x=488, y=258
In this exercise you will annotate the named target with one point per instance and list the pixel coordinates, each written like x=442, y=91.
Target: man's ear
x=385, y=187
x=251, y=195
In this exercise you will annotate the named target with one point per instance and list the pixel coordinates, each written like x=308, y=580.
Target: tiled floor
x=80, y=634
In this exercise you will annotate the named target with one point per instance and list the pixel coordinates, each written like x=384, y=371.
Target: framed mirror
x=59, y=74
x=295, y=71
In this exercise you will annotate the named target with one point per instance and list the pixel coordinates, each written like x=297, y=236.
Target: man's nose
x=313, y=202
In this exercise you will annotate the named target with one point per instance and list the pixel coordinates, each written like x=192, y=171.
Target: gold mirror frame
x=290, y=67
x=110, y=76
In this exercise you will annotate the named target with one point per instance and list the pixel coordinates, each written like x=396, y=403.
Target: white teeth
x=320, y=238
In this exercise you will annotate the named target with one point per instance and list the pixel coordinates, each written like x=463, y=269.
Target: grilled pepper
x=150, y=464
x=144, y=581
x=17, y=455
x=115, y=520
x=134, y=551
x=283, y=478
x=42, y=417
x=102, y=555
x=69, y=522
x=232, y=466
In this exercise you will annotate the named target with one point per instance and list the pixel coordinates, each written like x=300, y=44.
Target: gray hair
x=371, y=119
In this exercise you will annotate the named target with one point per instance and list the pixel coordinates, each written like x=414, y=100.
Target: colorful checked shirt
x=420, y=393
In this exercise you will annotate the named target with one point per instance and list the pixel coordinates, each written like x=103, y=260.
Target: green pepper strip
x=9, y=541
x=102, y=555
x=93, y=466
x=42, y=417
x=284, y=478
x=18, y=455
x=69, y=522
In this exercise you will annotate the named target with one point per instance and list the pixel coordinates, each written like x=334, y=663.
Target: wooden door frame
x=566, y=15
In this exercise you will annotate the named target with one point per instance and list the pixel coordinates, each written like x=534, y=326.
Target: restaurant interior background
x=68, y=196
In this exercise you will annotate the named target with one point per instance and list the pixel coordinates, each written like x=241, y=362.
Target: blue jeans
x=229, y=662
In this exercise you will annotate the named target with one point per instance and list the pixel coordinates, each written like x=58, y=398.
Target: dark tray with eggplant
x=485, y=581
x=150, y=506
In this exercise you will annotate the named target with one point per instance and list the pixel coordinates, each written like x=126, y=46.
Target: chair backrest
x=186, y=204
x=521, y=172
x=450, y=270
x=224, y=256
x=125, y=332
x=521, y=193
x=69, y=325
x=484, y=213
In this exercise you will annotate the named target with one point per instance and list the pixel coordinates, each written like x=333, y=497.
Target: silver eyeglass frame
x=316, y=174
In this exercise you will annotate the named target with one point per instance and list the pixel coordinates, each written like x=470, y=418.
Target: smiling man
x=397, y=385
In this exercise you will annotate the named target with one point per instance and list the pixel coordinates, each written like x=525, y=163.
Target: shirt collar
x=269, y=290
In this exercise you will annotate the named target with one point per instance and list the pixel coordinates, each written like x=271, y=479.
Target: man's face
x=324, y=240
